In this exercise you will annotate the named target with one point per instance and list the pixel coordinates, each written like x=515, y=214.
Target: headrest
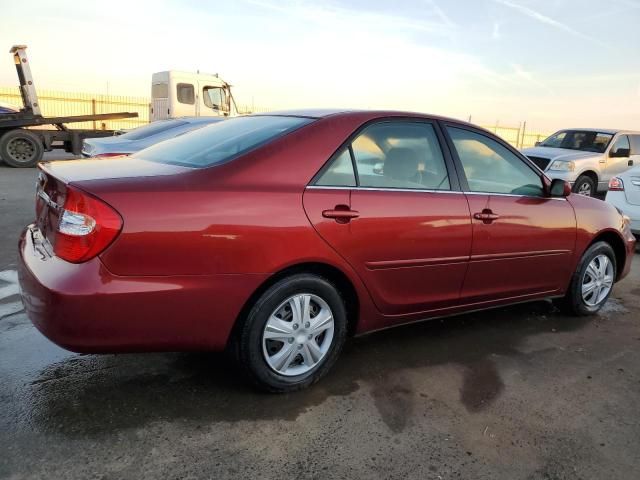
x=401, y=163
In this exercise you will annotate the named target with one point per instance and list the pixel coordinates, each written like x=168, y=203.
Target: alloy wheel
x=298, y=334
x=585, y=189
x=597, y=280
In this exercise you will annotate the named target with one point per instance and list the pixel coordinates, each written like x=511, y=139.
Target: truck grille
x=540, y=162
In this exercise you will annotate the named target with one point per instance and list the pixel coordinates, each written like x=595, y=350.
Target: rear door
x=522, y=240
x=400, y=221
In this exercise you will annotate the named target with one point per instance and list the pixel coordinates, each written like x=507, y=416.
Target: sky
x=552, y=63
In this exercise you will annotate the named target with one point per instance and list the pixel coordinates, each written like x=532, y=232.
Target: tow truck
x=23, y=146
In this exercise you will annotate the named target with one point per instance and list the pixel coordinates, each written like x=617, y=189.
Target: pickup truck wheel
x=21, y=148
x=585, y=186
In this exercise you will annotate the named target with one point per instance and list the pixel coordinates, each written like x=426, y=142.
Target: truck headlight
x=562, y=165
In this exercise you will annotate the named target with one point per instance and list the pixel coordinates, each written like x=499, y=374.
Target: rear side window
x=400, y=154
x=152, y=129
x=186, y=93
x=340, y=172
x=393, y=154
x=491, y=167
x=222, y=141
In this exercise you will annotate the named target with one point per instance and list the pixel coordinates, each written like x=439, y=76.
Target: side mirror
x=559, y=188
x=538, y=144
x=621, y=152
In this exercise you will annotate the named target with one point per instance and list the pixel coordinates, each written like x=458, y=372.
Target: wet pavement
x=515, y=393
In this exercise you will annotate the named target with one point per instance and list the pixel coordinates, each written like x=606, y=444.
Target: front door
x=618, y=158
x=523, y=240
x=405, y=228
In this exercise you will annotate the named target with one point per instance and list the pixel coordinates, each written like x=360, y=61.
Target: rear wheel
x=21, y=148
x=585, y=185
x=293, y=334
x=592, y=282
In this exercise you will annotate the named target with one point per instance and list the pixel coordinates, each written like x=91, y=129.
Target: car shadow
x=99, y=394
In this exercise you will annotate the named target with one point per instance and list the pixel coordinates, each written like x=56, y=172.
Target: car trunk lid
x=55, y=178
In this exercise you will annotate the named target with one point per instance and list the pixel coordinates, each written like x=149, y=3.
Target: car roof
x=372, y=114
x=611, y=131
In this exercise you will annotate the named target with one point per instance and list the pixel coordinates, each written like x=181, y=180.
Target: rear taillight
x=616, y=184
x=86, y=227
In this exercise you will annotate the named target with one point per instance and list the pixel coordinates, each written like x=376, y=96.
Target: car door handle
x=630, y=163
x=340, y=214
x=487, y=216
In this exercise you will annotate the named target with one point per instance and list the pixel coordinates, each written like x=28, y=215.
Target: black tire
x=573, y=303
x=583, y=184
x=21, y=148
x=249, y=344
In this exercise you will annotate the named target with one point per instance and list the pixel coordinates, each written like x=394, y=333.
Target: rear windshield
x=221, y=141
x=152, y=129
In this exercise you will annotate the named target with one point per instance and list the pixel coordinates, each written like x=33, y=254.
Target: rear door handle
x=340, y=214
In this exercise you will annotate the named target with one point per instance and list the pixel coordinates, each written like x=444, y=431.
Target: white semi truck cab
x=183, y=94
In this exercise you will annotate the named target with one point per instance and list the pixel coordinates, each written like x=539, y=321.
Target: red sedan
x=278, y=235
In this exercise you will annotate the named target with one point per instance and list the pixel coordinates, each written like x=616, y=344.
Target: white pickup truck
x=586, y=158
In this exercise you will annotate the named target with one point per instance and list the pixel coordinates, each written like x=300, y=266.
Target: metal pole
x=93, y=110
x=518, y=135
x=524, y=128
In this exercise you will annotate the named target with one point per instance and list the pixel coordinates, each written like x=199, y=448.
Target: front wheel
x=293, y=334
x=585, y=185
x=592, y=282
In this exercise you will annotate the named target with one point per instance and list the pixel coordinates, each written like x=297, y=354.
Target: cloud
x=529, y=12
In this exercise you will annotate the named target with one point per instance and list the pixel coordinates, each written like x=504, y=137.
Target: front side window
x=213, y=97
x=221, y=141
x=186, y=93
x=492, y=168
x=621, y=146
x=400, y=154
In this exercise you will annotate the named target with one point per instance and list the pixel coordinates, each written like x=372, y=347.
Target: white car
x=586, y=158
x=624, y=193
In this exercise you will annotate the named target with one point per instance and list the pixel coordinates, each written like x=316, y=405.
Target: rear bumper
x=85, y=308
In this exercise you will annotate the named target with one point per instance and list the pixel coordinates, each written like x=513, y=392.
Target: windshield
x=587, y=141
x=152, y=129
x=221, y=141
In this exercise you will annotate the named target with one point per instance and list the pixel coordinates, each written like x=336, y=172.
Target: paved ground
x=515, y=393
